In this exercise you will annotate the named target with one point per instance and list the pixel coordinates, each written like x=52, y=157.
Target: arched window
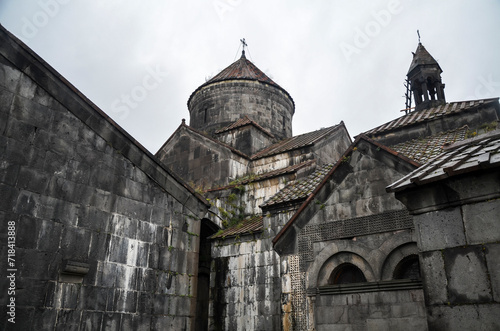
x=408, y=268
x=346, y=273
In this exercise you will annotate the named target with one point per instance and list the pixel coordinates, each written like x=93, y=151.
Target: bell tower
x=424, y=77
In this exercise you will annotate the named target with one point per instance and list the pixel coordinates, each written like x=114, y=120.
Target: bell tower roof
x=422, y=57
x=424, y=77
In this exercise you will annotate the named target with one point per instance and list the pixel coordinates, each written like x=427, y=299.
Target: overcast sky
x=339, y=60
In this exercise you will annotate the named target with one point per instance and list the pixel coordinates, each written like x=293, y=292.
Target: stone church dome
x=241, y=90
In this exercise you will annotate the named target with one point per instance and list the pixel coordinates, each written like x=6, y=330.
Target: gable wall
x=70, y=195
x=354, y=221
x=247, y=139
x=201, y=162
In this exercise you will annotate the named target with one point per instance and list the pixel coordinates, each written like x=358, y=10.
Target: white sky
x=339, y=60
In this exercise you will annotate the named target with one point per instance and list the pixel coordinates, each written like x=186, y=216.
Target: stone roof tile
x=249, y=225
x=479, y=153
x=299, y=141
x=429, y=114
x=422, y=150
x=266, y=175
x=245, y=120
x=299, y=189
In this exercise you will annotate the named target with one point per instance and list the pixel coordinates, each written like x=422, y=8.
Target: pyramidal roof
x=422, y=57
x=242, y=69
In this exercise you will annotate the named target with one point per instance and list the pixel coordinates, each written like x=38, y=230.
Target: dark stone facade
x=109, y=236
x=458, y=232
x=214, y=106
x=106, y=237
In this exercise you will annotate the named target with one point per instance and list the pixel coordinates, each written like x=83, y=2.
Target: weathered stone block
x=89, y=320
x=43, y=317
x=145, y=303
x=8, y=172
x=19, y=130
x=434, y=277
x=75, y=244
x=464, y=317
x=439, y=230
x=111, y=321
x=27, y=232
x=93, y=298
x=32, y=180
x=467, y=275
x=136, y=323
x=125, y=301
x=492, y=252
x=482, y=222
x=8, y=196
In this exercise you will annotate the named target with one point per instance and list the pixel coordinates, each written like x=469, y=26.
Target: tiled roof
x=470, y=155
x=323, y=181
x=299, y=141
x=250, y=225
x=429, y=114
x=299, y=189
x=267, y=175
x=422, y=150
x=245, y=120
x=242, y=69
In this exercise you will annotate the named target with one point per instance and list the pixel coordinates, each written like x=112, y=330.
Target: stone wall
x=248, y=140
x=214, y=106
x=458, y=236
x=351, y=220
x=105, y=237
x=245, y=284
x=201, y=161
x=383, y=310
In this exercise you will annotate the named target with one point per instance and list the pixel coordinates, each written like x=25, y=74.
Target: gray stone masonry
x=246, y=293
x=80, y=190
x=458, y=236
x=215, y=106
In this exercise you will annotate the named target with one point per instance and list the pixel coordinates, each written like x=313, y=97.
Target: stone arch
x=343, y=258
x=339, y=252
x=407, y=268
x=395, y=257
x=346, y=273
x=379, y=256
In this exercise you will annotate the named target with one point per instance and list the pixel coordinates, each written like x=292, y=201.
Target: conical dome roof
x=242, y=69
x=422, y=57
x=241, y=90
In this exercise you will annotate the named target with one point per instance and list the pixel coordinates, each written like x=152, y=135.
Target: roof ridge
x=88, y=112
x=428, y=114
x=276, y=146
x=330, y=173
x=267, y=175
x=245, y=120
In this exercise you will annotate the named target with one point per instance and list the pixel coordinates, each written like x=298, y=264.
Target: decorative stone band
x=384, y=222
x=389, y=285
